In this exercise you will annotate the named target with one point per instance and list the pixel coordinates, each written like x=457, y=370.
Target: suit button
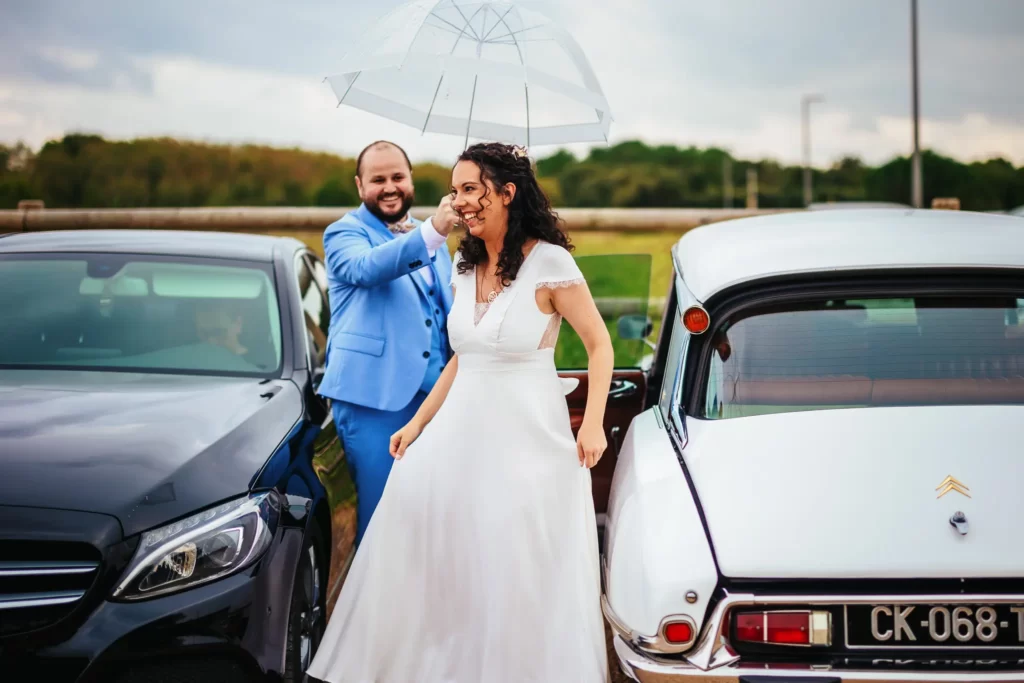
x=429, y=322
x=426, y=354
x=430, y=292
x=437, y=311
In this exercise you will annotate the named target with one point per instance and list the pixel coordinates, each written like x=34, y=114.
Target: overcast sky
x=691, y=72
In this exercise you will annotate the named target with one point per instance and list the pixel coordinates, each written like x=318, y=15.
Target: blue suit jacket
x=379, y=304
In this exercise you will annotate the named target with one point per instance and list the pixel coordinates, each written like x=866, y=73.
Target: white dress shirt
x=434, y=241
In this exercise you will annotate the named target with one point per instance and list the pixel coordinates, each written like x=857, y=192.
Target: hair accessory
x=519, y=152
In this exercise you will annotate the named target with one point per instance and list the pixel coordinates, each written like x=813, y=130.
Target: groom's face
x=385, y=184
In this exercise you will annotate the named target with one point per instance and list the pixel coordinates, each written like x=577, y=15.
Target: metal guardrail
x=613, y=307
x=298, y=219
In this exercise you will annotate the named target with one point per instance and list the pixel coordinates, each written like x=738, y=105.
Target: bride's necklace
x=493, y=294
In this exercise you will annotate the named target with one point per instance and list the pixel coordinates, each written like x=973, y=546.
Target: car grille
x=42, y=582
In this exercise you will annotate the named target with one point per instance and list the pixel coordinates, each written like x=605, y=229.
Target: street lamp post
x=917, y=198
x=726, y=182
x=805, y=111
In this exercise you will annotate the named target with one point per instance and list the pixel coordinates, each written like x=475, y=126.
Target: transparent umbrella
x=482, y=70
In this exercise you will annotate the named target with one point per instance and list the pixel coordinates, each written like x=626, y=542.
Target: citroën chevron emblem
x=951, y=484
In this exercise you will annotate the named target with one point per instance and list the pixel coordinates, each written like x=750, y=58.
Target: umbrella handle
x=469, y=119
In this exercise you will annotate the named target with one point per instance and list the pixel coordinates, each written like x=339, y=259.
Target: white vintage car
x=828, y=487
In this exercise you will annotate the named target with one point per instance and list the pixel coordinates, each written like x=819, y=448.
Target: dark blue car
x=174, y=502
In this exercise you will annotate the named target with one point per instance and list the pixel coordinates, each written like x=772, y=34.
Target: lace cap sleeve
x=558, y=269
x=454, y=280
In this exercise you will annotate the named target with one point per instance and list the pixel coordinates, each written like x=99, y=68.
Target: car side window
x=320, y=281
x=315, y=309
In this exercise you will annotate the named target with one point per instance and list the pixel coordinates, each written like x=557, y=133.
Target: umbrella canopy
x=484, y=70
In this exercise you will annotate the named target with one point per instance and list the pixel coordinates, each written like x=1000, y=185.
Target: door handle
x=614, y=431
x=621, y=388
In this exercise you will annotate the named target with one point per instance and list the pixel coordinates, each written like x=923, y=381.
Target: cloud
x=835, y=134
x=201, y=101
x=53, y=63
x=975, y=137
x=12, y=119
x=190, y=99
x=69, y=58
x=727, y=73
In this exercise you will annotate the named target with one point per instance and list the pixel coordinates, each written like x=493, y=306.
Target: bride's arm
x=437, y=395
x=401, y=439
x=576, y=305
x=432, y=403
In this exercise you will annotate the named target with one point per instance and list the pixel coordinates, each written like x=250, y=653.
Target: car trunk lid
x=862, y=493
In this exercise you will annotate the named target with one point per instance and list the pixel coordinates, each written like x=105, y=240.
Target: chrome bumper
x=712, y=660
x=647, y=669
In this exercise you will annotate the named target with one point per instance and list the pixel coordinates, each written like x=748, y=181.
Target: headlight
x=201, y=548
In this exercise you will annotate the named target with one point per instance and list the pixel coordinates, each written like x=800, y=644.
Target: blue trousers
x=366, y=434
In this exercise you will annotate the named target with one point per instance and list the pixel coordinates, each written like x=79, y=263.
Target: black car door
x=329, y=453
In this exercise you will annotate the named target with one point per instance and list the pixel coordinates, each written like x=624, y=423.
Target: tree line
x=88, y=171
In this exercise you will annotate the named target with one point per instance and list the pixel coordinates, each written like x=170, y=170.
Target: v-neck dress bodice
x=512, y=323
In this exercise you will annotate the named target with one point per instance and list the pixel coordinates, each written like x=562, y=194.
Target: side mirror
x=634, y=327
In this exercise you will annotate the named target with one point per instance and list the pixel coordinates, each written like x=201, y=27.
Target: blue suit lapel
x=378, y=226
x=374, y=223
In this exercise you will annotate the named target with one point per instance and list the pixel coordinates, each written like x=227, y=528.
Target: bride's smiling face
x=482, y=206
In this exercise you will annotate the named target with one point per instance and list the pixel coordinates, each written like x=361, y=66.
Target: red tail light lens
x=784, y=628
x=789, y=629
x=750, y=627
x=678, y=632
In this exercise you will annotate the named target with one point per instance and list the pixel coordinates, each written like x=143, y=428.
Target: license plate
x=928, y=626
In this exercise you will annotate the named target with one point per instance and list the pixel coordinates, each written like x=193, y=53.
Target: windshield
x=867, y=352
x=139, y=314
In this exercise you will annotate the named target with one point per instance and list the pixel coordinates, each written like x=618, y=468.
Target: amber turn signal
x=696, y=320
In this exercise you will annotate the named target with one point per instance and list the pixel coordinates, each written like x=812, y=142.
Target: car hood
x=142, y=448
x=855, y=493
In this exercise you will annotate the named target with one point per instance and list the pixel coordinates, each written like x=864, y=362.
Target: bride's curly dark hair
x=529, y=213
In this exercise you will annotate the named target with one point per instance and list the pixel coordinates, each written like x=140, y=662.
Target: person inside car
x=216, y=325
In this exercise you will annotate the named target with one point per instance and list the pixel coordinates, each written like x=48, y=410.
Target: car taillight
x=784, y=627
x=678, y=632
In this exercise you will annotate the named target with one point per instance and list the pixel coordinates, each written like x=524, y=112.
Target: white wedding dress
x=480, y=564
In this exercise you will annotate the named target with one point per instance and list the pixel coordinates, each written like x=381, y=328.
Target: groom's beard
x=389, y=218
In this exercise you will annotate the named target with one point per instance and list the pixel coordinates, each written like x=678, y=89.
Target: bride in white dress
x=480, y=564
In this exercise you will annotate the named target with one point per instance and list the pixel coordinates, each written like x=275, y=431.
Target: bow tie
x=401, y=228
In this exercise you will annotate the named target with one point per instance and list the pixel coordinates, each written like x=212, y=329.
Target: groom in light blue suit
x=389, y=280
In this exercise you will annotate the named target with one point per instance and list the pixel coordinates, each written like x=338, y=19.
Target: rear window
x=140, y=314
x=867, y=352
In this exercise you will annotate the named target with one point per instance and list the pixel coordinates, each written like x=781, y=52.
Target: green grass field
x=638, y=268
x=587, y=244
